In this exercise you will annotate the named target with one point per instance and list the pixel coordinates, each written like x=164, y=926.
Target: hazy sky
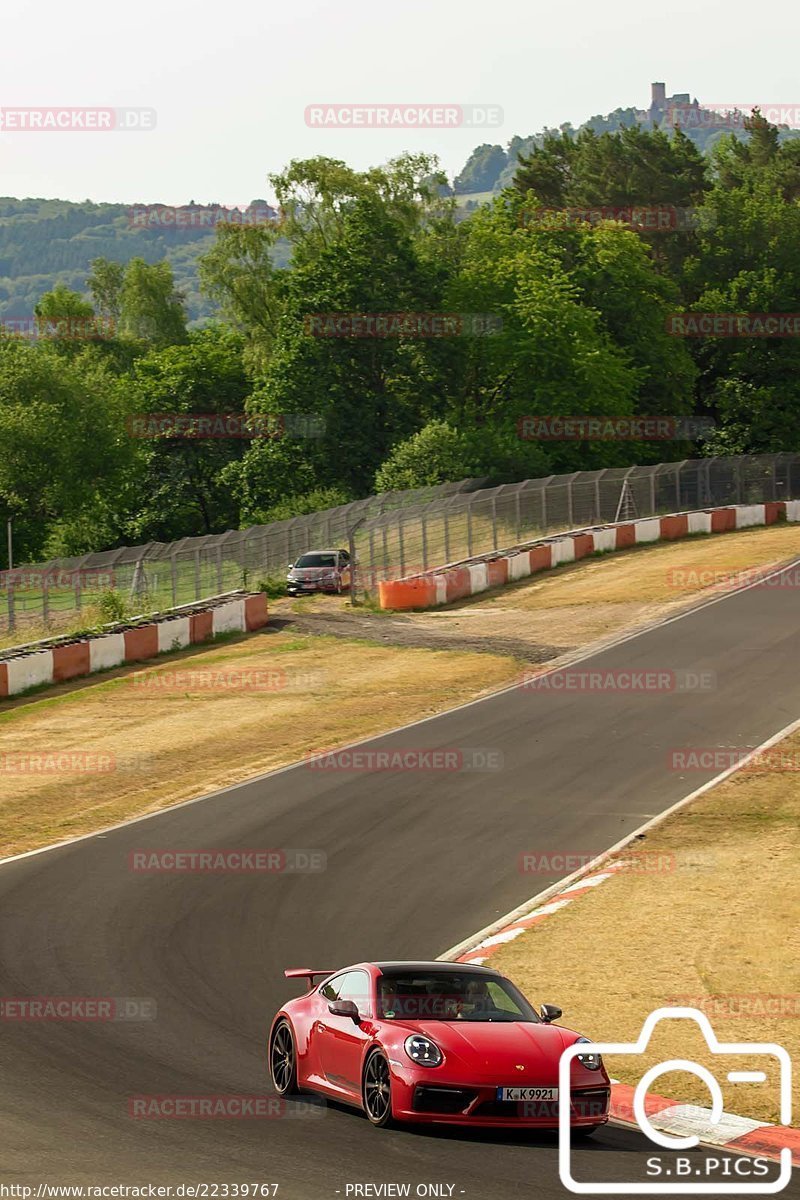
x=230, y=82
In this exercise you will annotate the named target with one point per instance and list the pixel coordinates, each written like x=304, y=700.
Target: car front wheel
x=377, y=1090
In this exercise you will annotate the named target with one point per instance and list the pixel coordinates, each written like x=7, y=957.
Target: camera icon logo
x=664, y=1140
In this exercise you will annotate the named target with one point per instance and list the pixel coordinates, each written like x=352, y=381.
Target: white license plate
x=527, y=1093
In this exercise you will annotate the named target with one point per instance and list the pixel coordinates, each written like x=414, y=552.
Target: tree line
x=555, y=300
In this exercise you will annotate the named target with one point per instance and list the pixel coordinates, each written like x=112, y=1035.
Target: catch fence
x=449, y=529
x=394, y=534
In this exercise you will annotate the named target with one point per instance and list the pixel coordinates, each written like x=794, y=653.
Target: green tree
x=180, y=486
x=63, y=449
x=151, y=309
x=105, y=283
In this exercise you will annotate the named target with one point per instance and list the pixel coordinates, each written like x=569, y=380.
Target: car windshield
x=316, y=560
x=450, y=996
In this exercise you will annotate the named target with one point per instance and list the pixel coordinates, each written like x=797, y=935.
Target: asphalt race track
x=416, y=861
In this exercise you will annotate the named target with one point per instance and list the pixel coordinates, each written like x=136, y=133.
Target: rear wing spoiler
x=307, y=974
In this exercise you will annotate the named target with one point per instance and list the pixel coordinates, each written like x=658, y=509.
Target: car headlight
x=423, y=1051
x=593, y=1062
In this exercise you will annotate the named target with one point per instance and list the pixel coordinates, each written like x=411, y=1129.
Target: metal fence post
x=678, y=488
x=469, y=529
x=401, y=544
x=351, y=549
x=446, y=537
x=219, y=570
x=517, y=520
x=46, y=599
x=197, y=586
x=424, y=541
x=12, y=620
x=494, y=521
x=569, y=502
x=173, y=570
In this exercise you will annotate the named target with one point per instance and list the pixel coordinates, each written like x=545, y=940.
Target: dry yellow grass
x=187, y=726
x=715, y=928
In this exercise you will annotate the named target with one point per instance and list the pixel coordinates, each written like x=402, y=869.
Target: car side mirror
x=344, y=1008
x=550, y=1012
x=290, y=566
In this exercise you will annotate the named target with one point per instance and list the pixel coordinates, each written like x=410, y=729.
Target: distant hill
x=44, y=242
x=490, y=168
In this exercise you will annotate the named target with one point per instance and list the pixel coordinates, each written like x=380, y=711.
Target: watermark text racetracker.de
x=230, y=679
x=562, y=863
x=659, y=218
x=58, y=329
x=78, y=1008
x=731, y=114
x=36, y=579
x=733, y=325
x=54, y=119
x=750, y=1006
x=403, y=116
x=258, y=861
x=452, y=758
x=731, y=578
x=400, y=324
x=613, y=429
x=219, y=1107
x=651, y=681
x=56, y=762
x=744, y=758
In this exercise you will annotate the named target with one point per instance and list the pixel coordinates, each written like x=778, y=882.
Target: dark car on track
x=319, y=571
x=432, y=1043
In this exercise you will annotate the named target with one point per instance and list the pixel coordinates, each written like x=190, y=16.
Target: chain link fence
x=451, y=529
x=394, y=534
x=158, y=575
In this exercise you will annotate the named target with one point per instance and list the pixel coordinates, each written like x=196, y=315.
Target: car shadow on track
x=611, y=1138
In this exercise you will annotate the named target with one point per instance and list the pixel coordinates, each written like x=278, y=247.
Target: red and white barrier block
x=446, y=584
x=61, y=659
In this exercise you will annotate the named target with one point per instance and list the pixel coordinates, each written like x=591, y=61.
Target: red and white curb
x=489, y=945
x=733, y=1132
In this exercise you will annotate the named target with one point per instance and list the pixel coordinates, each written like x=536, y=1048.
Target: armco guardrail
x=469, y=577
x=60, y=659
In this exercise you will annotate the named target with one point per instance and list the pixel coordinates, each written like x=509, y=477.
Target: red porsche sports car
x=432, y=1042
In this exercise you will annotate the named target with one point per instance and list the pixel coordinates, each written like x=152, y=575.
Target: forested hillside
x=403, y=343
x=49, y=242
